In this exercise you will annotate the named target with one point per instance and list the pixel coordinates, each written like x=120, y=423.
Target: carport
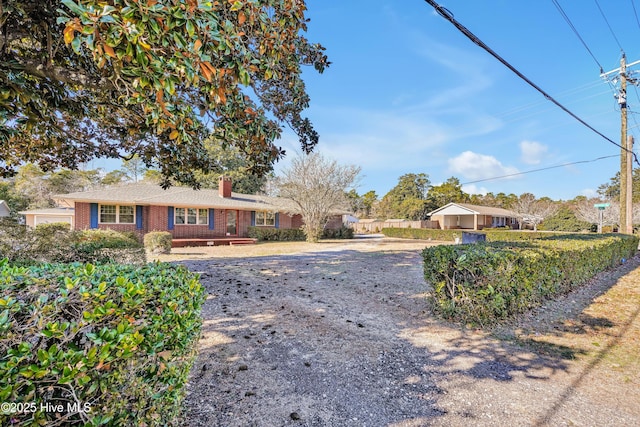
x=472, y=217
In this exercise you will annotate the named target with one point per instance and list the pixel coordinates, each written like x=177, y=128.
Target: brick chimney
x=224, y=186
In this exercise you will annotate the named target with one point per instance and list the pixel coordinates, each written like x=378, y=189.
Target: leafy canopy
x=408, y=199
x=90, y=78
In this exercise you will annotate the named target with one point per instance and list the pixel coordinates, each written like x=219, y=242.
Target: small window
x=126, y=215
x=203, y=216
x=180, y=216
x=115, y=214
x=108, y=214
x=191, y=216
x=265, y=218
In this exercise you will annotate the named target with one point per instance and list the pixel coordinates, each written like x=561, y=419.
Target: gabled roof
x=48, y=211
x=149, y=194
x=468, y=209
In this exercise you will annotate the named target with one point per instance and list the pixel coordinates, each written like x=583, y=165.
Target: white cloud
x=474, y=189
x=589, y=193
x=532, y=152
x=472, y=165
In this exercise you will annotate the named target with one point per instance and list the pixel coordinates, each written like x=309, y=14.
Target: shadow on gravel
x=280, y=347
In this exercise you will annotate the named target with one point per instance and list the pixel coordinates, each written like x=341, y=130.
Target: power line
x=607, y=21
x=564, y=95
x=635, y=12
x=539, y=170
x=445, y=13
x=575, y=31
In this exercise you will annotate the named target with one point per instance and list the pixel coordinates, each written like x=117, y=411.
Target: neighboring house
x=472, y=217
x=36, y=217
x=4, y=209
x=184, y=212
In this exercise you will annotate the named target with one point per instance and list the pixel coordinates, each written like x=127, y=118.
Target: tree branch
x=62, y=74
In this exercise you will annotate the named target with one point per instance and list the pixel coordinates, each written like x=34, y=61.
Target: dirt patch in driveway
x=344, y=337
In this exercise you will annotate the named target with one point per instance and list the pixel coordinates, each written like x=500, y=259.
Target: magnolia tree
x=533, y=211
x=92, y=78
x=318, y=189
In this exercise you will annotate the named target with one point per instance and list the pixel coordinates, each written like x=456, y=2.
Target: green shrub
x=109, y=239
x=56, y=243
x=119, y=339
x=13, y=238
x=423, y=234
x=276, y=234
x=486, y=283
x=497, y=235
x=108, y=246
x=338, y=233
x=158, y=242
x=493, y=234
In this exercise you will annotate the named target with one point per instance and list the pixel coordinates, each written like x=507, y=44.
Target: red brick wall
x=296, y=221
x=83, y=220
x=155, y=218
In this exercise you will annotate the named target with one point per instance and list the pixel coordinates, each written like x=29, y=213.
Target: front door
x=232, y=223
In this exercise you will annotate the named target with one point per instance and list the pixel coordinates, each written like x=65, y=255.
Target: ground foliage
x=87, y=78
x=120, y=339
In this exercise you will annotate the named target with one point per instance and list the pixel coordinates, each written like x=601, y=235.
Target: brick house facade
x=184, y=212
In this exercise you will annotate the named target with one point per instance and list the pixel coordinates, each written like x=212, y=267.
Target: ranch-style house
x=188, y=214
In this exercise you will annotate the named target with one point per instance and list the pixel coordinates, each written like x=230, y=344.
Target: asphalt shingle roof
x=149, y=194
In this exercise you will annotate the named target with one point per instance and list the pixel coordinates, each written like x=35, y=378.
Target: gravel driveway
x=345, y=338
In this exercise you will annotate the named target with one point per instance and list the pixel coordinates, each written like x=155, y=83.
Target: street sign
x=601, y=205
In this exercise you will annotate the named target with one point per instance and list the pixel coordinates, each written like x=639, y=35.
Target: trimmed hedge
x=496, y=235
x=295, y=234
x=117, y=340
x=423, y=234
x=493, y=234
x=487, y=283
x=158, y=242
x=276, y=234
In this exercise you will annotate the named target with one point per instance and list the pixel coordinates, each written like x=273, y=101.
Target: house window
x=191, y=216
x=115, y=214
x=265, y=218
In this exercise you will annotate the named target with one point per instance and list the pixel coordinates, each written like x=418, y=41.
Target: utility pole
x=626, y=150
x=622, y=101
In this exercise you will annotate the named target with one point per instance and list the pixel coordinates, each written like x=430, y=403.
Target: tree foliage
x=36, y=187
x=318, y=187
x=231, y=162
x=408, y=199
x=611, y=190
x=565, y=220
x=449, y=191
x=85, y=79
x=500, y=200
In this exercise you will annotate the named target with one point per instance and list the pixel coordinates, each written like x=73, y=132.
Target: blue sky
x=408, y=93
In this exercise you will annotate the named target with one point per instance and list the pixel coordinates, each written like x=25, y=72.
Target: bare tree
x=586, y=211
x=317, y=188
x=532, y=211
